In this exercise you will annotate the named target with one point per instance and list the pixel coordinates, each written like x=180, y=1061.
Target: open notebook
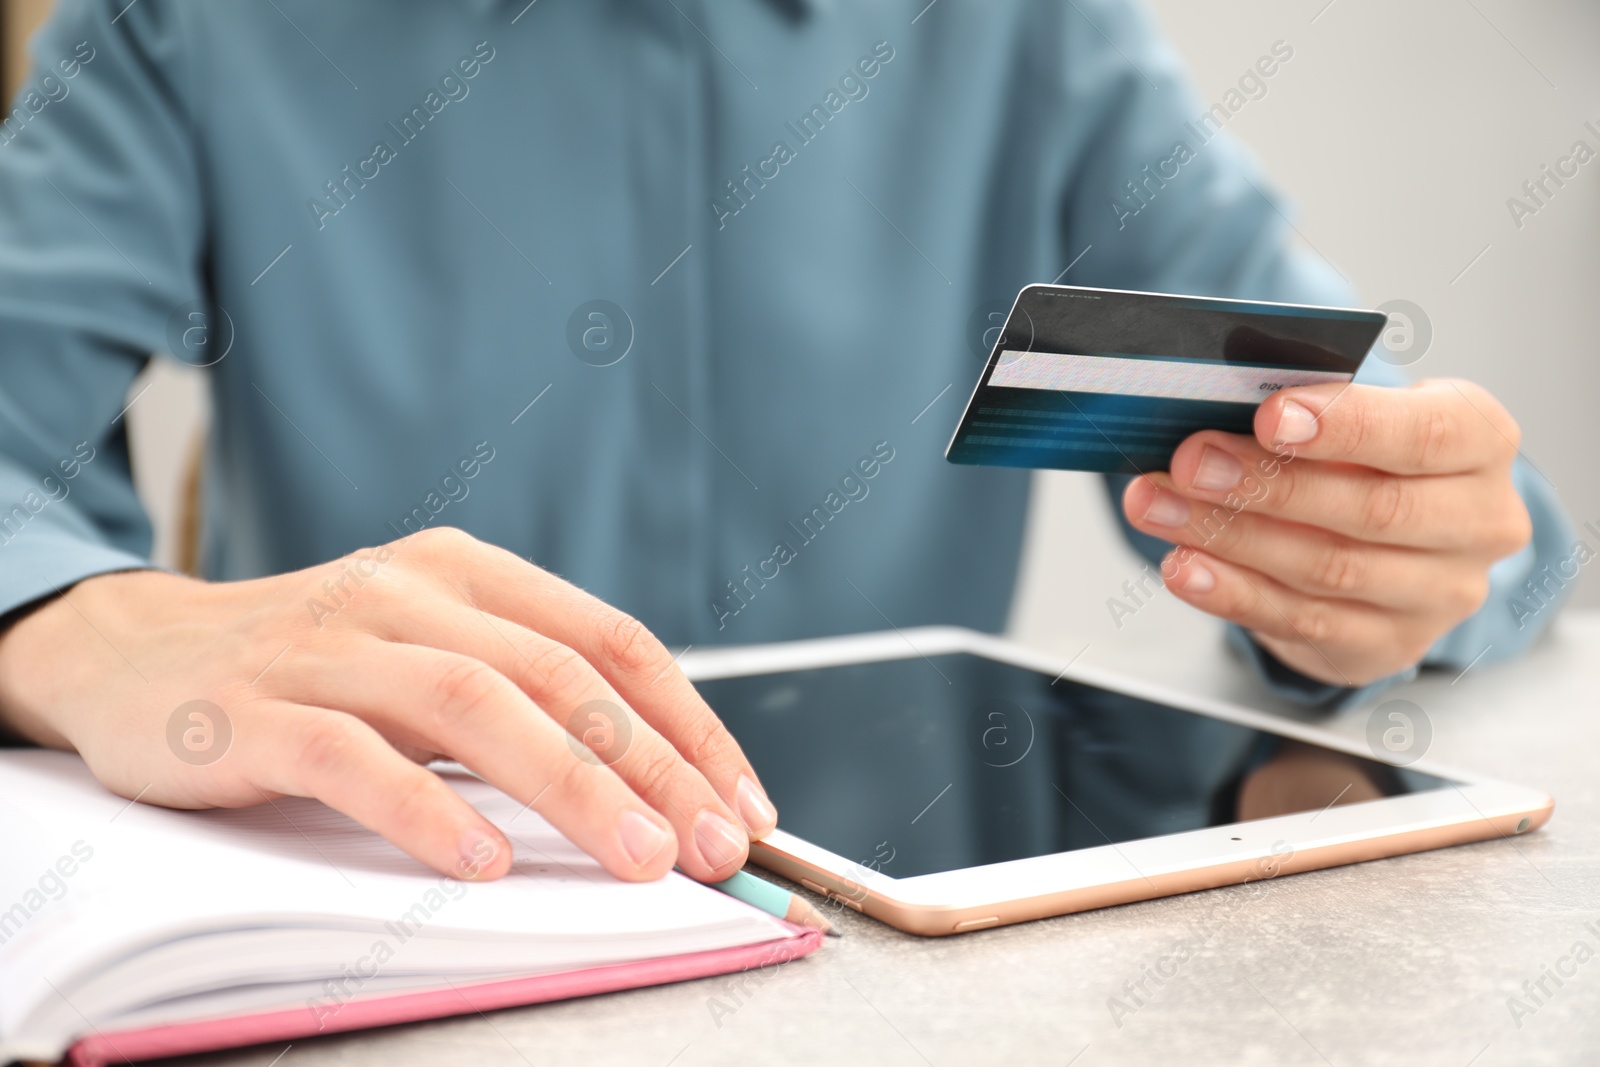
x=129, y=931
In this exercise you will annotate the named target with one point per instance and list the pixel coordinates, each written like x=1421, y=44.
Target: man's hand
x=1355, y=529
x=339, y=681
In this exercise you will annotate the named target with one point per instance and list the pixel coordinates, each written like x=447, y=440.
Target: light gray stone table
x=1403, y=961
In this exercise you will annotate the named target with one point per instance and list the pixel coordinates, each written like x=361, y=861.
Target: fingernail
x=754, y=808
x=1167, y=509
x=1296, y=424
x=642, y=839
x=1218, y=470
x=719, y=843
x=1197, y=578
x=478, y=851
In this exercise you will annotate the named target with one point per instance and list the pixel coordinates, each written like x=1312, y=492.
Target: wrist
x=57, y=646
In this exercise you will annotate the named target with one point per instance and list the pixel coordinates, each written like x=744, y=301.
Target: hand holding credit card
x=1114, y=381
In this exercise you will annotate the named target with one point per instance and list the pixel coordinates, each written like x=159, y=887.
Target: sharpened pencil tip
x=802, y=913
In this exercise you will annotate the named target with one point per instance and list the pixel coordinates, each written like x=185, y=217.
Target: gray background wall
x=1400, y=128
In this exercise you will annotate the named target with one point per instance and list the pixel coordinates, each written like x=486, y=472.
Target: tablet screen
x=924, y=765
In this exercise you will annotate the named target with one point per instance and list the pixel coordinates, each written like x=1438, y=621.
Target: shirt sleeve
x=1163, y=198
x=100, y=248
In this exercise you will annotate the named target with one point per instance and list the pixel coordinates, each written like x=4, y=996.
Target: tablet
x=943, y=781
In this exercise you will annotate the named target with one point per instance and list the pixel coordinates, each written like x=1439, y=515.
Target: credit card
x=1110, y=380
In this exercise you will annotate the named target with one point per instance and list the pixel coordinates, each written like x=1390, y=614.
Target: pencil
x=774, y=900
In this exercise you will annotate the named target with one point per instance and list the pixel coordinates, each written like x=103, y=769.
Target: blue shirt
x=676, y=299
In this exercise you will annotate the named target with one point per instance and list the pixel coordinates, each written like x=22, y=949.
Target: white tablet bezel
x=1475, y=809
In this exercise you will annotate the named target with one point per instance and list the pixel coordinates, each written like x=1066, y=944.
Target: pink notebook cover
x=234, y=1031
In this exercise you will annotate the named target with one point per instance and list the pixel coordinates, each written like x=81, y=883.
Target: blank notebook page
x=167, y=914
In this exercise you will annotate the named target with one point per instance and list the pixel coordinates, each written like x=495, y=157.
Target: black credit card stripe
x=1073, y=416
x=1070, y=434
x=1054, y=446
